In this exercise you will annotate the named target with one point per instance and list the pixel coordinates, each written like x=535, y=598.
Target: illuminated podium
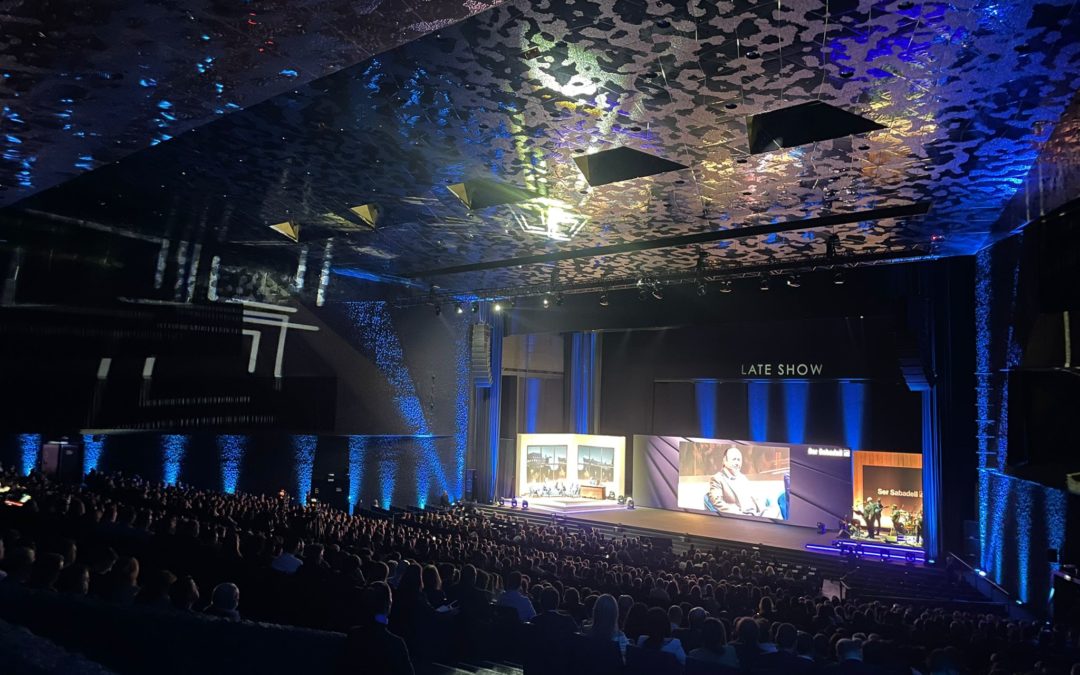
x=593, y=491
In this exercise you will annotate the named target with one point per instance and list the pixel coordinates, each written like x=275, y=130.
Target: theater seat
x=589, y=656
x=641, y=661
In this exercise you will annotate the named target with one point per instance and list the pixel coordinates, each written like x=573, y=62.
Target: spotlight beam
x=905, y=211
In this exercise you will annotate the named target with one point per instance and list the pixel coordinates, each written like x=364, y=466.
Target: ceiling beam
x=905, y=211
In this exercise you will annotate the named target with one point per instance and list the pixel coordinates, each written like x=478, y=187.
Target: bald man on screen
x=730, y=491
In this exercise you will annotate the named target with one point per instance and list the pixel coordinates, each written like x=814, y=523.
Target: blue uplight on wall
x=30, y=445
x=387, y=478
x=463, y=390
x=532, y=403
x=583, y=366
x=376, y=332
x=796, y=398
x=173, y=448
x=232, y=456
x=853, y=402
x=705, y=397
x=93, y=447
x=757, y=394
x=304, y=455
x=357, y=455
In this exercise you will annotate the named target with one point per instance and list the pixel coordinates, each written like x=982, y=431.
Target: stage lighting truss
x=788, y=273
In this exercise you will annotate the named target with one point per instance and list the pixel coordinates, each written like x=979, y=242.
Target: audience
x=396, y=583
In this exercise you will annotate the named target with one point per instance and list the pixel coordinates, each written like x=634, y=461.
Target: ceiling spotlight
x=438, y=309
x=725, y=286
x=546, y=302
x=838, y=279
x=458, y=309
x=497, y=307
x=558, y=299
x=793, y=281
x=475, y=307
x=701, y=290
x=764, y=283
x=603, y=300
x=658, y=292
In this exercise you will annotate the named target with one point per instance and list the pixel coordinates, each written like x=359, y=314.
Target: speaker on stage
x=330, y=488
x=470, y=485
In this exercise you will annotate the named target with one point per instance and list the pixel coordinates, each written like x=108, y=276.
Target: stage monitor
x=570, y=465
x=895, y=480
x=782, y=482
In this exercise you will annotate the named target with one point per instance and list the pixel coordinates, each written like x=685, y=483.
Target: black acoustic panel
x=482, y=193
x=619, y=164
x=801, y=124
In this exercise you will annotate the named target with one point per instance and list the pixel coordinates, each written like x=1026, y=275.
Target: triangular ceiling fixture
x=369, y=213
x=619, y=164
x=482, y=193
x=289, y=229
x=801, y=124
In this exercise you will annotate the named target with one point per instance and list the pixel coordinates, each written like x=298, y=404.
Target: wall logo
x=828, y=452
x=781, y=369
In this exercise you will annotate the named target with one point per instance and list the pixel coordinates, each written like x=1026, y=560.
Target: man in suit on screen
x=730, y=490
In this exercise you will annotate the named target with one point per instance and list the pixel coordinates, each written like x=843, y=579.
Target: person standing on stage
x=868, y=516
x=878, y=508
x=730, y=490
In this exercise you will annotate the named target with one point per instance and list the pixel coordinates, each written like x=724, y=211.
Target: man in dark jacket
x=371, y=647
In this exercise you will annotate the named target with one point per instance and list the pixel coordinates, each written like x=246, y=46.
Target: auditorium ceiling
x=372, y=169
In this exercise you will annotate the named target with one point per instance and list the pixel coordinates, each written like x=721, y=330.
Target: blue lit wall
x=796, y=400
x=30, y=445
x=378, y=336
x=532, y=403
x=582, y=371
x=304, y=452
x=853, y=403
x=357, y=458
x=93, y=447
x=173, y=449
x=705, y=397
x=757, y=394
x=1023, y=520
x=231, y=449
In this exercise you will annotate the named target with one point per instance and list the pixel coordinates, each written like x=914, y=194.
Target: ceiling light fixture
x=725, y=286
x=793, y=281
x=701, y=289
x=497, y=307
x=603, y=300
x=458, y=309
x=546, y=302
x=658, y=292
x=558, y=299
x=838, y=279
x=475, y=307
x=764, y=283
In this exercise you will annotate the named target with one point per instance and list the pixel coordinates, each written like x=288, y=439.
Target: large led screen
x=782, y=482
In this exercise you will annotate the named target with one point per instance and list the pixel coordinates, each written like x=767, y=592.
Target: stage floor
x=675, y=523
x=571, y=505
x=751, y=532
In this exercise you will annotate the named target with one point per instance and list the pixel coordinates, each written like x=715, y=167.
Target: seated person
x=730, y=490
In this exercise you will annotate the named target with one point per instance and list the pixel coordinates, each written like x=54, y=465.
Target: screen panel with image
x=545, y=463
x=735, y=477
x=596, y=464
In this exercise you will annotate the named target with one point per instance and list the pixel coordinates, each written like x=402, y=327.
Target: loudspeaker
x=331, y=488
x=480, y=351
x=62, y=461
x=470, y=485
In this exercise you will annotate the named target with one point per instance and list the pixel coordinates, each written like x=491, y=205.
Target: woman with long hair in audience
x=432, y=584
x=605, y=622
x=658, y=635
x=636, y=623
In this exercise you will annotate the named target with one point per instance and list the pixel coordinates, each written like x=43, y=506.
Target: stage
x=674, y=524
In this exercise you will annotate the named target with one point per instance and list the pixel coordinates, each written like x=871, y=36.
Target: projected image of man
x=730, y=490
